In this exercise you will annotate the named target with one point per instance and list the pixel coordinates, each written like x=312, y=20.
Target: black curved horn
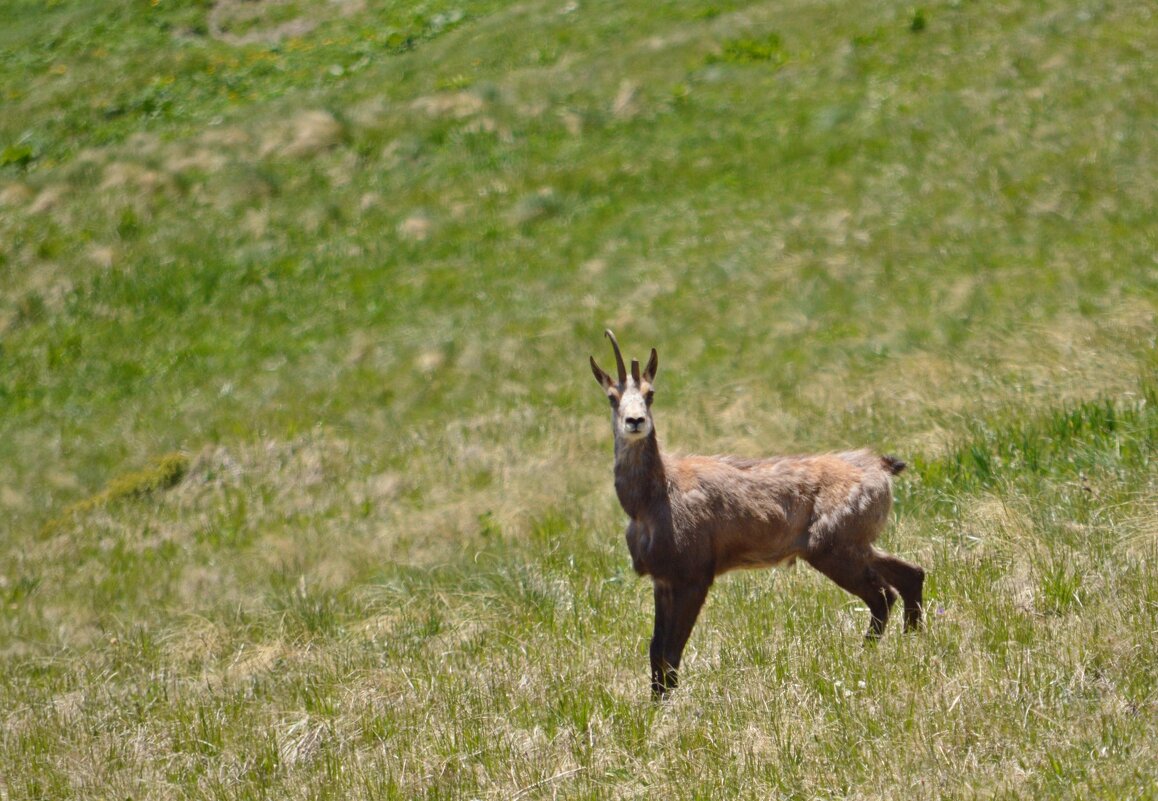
x=618, y=358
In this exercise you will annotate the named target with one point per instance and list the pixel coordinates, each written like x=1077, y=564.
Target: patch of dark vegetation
x=767, y=50
x=163, y=473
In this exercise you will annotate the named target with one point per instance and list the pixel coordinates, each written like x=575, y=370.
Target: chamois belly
x=748, y=559
x=749, y=550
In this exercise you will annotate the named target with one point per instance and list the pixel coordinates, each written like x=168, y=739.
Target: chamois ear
x=652, y=366
x=603, y=378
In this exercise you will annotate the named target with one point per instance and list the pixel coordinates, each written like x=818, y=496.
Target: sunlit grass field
x=305, y=486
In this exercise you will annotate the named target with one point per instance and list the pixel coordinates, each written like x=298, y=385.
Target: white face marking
x=631, y=418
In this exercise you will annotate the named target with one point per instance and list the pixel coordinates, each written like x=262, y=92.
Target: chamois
x=695, y=517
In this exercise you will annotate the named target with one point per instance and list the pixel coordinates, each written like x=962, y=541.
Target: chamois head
x=630, y=396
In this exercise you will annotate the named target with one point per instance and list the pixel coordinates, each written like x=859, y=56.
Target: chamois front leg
x=659, y=671
x=676, y=610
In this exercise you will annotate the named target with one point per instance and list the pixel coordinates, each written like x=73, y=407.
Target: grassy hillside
x=304, y=482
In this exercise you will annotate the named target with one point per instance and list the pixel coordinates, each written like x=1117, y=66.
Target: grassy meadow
x=305, y=485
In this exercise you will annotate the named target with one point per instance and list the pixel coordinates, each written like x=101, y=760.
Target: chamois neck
x=640, y=480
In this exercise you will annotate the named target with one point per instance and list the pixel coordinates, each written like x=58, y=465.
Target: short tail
x=892, y=464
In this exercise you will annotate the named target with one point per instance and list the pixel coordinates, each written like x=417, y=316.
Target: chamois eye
x=650, y=394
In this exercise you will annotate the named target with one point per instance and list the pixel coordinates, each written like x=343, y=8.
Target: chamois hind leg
x=676, y=610
x=909, y=579
x=855, y=573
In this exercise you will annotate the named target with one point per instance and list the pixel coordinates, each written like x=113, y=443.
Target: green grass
x=304, y=484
